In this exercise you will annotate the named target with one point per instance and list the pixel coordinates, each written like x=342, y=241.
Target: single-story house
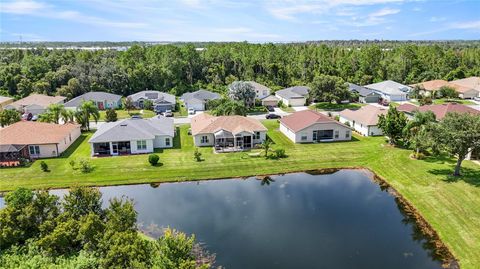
x=390, y=90
x=431, y=86
x=469, y=88
x=162, y=101
x=35, y=103
x=270, y=100
x=311, y=126
x=197, y=100
x=132, y=136
x=439, y=110
x=4, y=100
x=227, y=133
x=32, y=140
x=364, y=95
x=364, y=120
x=293, y=96
x=261, y=91
x=103, y=100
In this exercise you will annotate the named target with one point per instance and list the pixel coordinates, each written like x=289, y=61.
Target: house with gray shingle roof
x=103, y=100
x=293, y=96
x=162, y=101
x=197, y=100
x=390, y=90
x=133, y=136
x=364, y=95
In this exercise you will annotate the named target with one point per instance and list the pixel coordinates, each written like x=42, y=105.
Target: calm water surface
x=340, y=220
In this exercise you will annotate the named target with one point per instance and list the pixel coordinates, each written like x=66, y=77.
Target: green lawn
x=335, y=107
x=182, y=110
x=451, y=206
x=459, y=101
x=123, y=114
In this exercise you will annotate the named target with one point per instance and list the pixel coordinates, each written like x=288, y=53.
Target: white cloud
x=23, y=7
x=384, y=12
x=470, y=25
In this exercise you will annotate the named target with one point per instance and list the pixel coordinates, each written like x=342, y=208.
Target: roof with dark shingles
x=293, y=92
x=362, y=91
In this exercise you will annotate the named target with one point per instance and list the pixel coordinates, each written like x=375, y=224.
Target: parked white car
x=191, y=111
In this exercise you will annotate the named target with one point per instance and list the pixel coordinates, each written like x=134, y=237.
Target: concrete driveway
x=299, y=108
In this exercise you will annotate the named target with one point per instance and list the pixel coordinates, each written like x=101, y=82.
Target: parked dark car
x=383, y=102
x=273, y=116
x=270, y=108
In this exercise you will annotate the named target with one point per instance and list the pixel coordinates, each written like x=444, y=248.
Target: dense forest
x=181, y=68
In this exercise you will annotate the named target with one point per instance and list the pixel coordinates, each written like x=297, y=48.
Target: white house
x=467, y=88
x=161, y=101
x=197, y=100
x=293, y=96
x=363, y=120
x=227, y=133
x=133, y=136
x=390, y=90
x=261, y=91
x=35, y=103
x=103, y=100
x=309, y=126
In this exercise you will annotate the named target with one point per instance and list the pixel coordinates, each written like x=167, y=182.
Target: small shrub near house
x=111, y=115
x=153, y=159
x=85, y=166
x=44, y=166
x=197, y=155
x=280, y=153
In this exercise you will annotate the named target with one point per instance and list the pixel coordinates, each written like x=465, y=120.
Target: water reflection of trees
x=266, y=180
x=418, y=235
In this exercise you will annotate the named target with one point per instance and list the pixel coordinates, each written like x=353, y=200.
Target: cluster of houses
x=28, y=140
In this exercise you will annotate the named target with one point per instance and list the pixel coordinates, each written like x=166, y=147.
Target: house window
x=257, y=135
x=304, y=137
x=204, y=139
x=141, y=145
x=336, y=134
x=70, y=136
x=347, y=134
x=34, y=150
x=167, y=141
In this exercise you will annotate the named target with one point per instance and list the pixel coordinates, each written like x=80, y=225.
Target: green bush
x=280, y=153
x=44, y=166
x=85, y=166
x=153, y=159
x=72, y=164
x=111, y=115
x=197, y=155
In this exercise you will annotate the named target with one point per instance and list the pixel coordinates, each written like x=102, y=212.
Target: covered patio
x=111, y=148
x=11, y=155
x=226, y=141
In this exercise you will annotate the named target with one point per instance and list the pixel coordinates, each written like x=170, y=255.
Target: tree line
x=181, y=68
x=38, y=230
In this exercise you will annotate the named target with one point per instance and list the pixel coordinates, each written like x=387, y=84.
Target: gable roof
x=37, y=99
x=366, y=115
x=4, y=99
x=10, y=148
x=258, y=86
x=93, y=96
x=432, y=85
x=305, y=118
x=270, y=98
x=134, y=129
x=205, y=123
x=471, y=82
x=389, y=87
x=362, y=91
x=30, y=133
x=440, y=110
x=200, y=96
x=293, y=92
x=154, y=96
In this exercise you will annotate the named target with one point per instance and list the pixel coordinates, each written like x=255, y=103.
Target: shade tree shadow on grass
x=177, y=139
x=468, y=175
x=73, y=147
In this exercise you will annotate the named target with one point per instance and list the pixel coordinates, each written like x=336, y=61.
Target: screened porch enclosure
x=112, y=148
x=322, y=135
x=225, y=141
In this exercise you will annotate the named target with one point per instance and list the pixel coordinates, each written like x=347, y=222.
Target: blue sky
x=228, y=20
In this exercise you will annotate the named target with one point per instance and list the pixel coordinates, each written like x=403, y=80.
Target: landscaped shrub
x=72, y=164
x=347, y=123
x=280, y=153
x=110, y=115
x=337, y=118
x=153, y=159
x=85, y=166
x=197, y=155
x=44, y=166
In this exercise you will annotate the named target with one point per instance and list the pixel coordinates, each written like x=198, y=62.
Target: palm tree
x=416, y=130
x=88, y=109
x=68, y=116
x=266, y=146
x=56, y=111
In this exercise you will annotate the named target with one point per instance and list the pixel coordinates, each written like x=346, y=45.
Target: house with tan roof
x=35, y=103
x=32, y=140
x=439, y=110
x=429, y=87
x=467, y=88
x=364, y=120
x=309, y=126
x=227, y=133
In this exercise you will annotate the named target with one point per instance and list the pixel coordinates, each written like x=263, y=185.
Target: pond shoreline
x=440, y=250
